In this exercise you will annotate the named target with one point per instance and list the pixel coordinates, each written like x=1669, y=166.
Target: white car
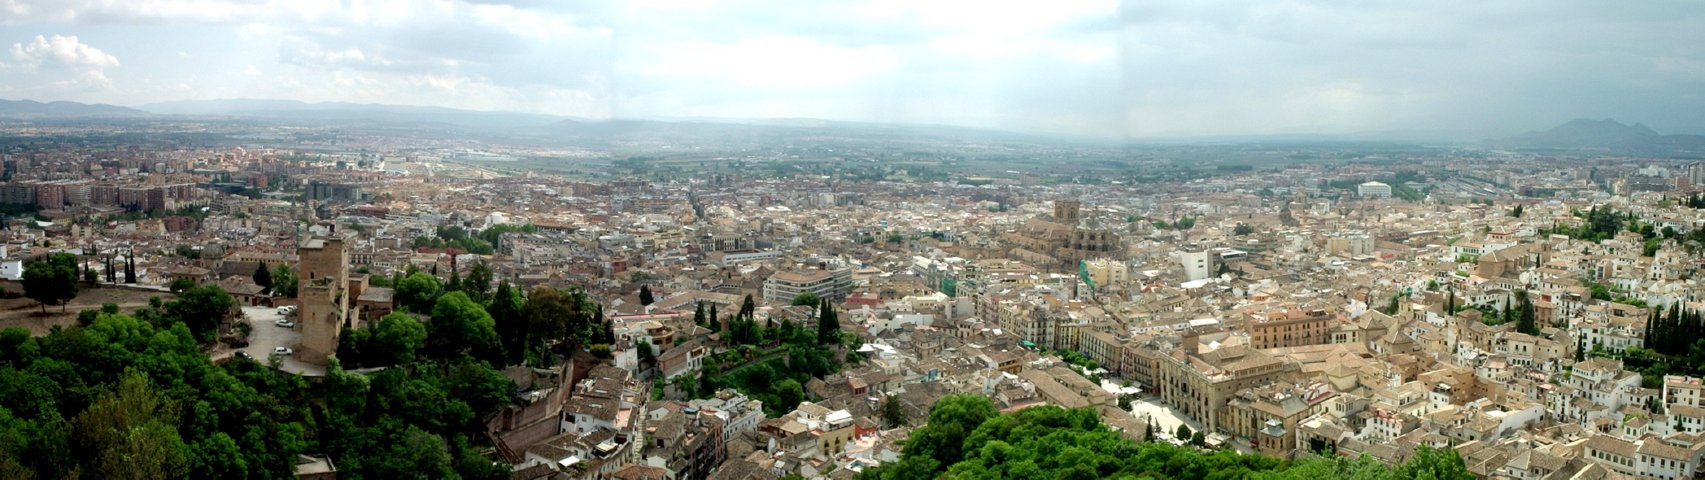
x=287, y=309
x=285, y=323
x=282, y=351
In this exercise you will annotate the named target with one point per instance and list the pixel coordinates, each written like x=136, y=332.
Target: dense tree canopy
x=966, y=438
x=418, y=292
x=135, y=396
x=202, y=309
x=459, y=326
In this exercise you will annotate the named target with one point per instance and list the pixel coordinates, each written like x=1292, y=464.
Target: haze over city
x=1108, y=69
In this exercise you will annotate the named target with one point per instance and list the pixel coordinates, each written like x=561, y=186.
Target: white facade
x=1373, y=190
x=1198, y=264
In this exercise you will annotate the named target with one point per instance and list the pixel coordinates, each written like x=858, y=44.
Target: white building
x=1198, y=263
x=1373, y=190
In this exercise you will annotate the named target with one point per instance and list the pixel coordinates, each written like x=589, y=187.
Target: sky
x=1098, y=68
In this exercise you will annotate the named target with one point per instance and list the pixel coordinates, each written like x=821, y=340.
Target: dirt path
x=23, y=312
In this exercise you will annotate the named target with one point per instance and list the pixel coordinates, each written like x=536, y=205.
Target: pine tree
x=698, y=315
x=645, y=297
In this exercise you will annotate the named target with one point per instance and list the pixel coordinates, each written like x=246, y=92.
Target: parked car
x=285, y=323
x=244, y=355
x=282, y=351
x=239, y=343
x=287, y=309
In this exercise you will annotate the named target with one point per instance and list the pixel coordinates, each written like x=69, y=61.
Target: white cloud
x=251, y=70
x=1109, y=67
x=61, y=51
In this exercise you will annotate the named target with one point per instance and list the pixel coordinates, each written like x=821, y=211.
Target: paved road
x=264, y=336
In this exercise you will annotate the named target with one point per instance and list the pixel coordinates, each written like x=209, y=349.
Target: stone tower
x=322, y=290
x=1066, y=211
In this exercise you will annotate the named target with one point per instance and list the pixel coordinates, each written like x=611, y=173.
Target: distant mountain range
x=532, y=127
x=343, y=112
x=1603, y=136
x=34, y=109
x=1609, y=136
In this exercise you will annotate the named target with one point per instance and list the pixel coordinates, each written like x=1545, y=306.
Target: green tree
x=455, y=283
x=1434, y=464
x=130, y=267
x=461, y=327
x=893, y=413
x=478, y=283
x=52, y=280
x=562, y=317
x=418, y=292
x=714, y=320
x=1525, y=322
x=130, y=432
x=263, y=277
x=284, y=281
x=396, y=339
x=1183, y=432
x=789, y=393
x=179, y=285
x=807, y=299
x=647, y=357
x=1242, y=229
x=506, y=313
x=419, y=455
x=202, y=309
x=828, y=326
x=645, y=295
x=698, y=314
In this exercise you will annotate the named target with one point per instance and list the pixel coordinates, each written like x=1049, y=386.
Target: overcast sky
x=1135, y=69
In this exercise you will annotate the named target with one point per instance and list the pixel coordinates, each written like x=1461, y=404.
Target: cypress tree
x=130, y=267
x=1646, y=336
x=714, y=321
x=827, y=325
x=1505, y=318
x=698, y=315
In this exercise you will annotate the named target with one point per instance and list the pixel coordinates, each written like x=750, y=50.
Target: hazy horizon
x=1107, y=69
